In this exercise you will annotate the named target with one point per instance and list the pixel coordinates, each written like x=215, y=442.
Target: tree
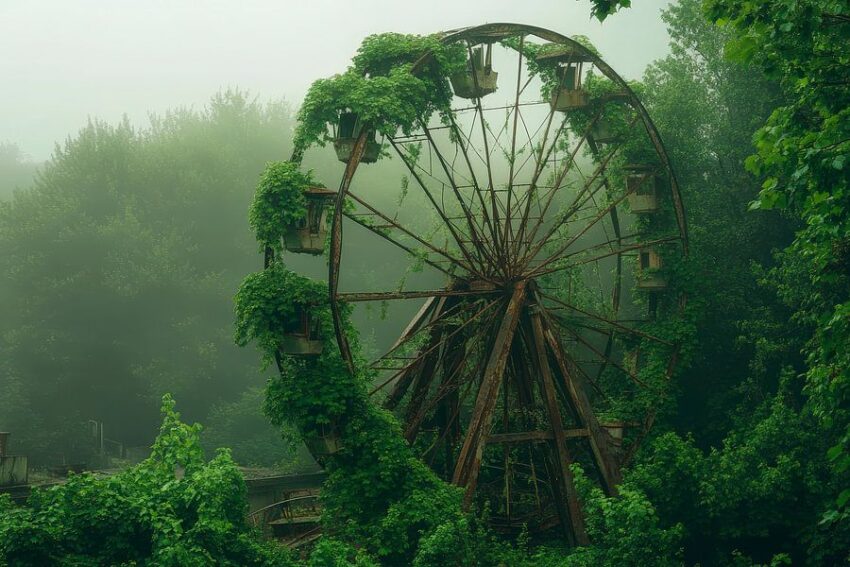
x=118, y=271
x=802, y=158
x=16, y=171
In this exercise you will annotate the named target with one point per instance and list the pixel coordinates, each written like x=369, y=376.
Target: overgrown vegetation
x=381, y=89
x=175, y=508
x=748, y=462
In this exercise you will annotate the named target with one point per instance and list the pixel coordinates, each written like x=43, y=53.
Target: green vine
x=269, y=303
x=382, y=87
x=279, y=202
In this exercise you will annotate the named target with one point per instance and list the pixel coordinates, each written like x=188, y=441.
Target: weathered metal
x=469, y=459
x=349, y=130
x=642, y=189
x=478, y=373
x=478, y=79
x=649, y=276
x=301, y=336
x=574, y=519
x=308, y=235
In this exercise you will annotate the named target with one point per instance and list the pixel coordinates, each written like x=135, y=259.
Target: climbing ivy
x=279, y=202
x=382, y=87
x=173, y=509
x=269, y=303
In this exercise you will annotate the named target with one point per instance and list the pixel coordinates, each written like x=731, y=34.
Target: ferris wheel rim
x=494, y=32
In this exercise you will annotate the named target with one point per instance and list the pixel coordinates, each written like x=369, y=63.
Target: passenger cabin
x=478, y=79
x=569, y=68
x=642, y=189
x=347, y=131
x=323, y=443
x=308, y=234
x=302, y=335
x=648, y=276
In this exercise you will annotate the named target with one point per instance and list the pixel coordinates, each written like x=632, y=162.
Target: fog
x=67, y=60
x=119, y=268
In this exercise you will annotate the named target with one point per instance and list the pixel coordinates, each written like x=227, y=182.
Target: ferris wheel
x=556, y=228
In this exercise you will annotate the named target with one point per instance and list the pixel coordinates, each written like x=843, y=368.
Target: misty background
x=135, y=132
x=65, y=61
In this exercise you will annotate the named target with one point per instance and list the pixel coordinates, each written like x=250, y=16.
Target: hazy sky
x=65, y=60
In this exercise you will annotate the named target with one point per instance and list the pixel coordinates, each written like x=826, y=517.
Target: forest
x=648, y=364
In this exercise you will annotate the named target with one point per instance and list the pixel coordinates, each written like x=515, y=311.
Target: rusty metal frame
x=494, y=252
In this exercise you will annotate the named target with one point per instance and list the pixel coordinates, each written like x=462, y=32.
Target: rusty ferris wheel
x=559, y=215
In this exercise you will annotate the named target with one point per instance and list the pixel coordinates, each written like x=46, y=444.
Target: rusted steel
x=620, y=250
x=575, y=519
x=474, y=236
x=477, y=188
x=571, y=210
x=384, y=295
x=442, y=374
x=556, y=185
x=425, y=312
x=612, y=206
x=453, y=354
x=469, y=460
x=336, y=247
x=490, y=185
x=604, y=459
x=430, y=308
x=605, y=360
x=418, y=397
x=508, y=218
x=438, y=318
x=538, y=169
x=426, y=352
x=422, y=241
x=652, y=131
x=534, y=436
x=386, y=237
x=446, y=221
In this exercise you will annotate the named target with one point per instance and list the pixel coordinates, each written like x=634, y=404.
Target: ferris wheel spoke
x=469, y=460
x=570, y=162
x=604, y=459
x=431, y=349
x=413, y=253
x=602, y=358
x=610, y=323
x=439, y=317
x=395, y=224
x=453, y=361
x=484, y=128
x=509, y=219
x=463, y=141
x=620, y=250
x=351, y=297
x=446, y=221
x=538, y=170
x=485, y=254
x=559, y=254
x=576, y=201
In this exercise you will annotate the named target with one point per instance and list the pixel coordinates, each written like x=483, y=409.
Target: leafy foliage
x=801, y=156
x=270, y=302
x=119, y=266
x=279, y=202
x=172, y=509
x=382, y=87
